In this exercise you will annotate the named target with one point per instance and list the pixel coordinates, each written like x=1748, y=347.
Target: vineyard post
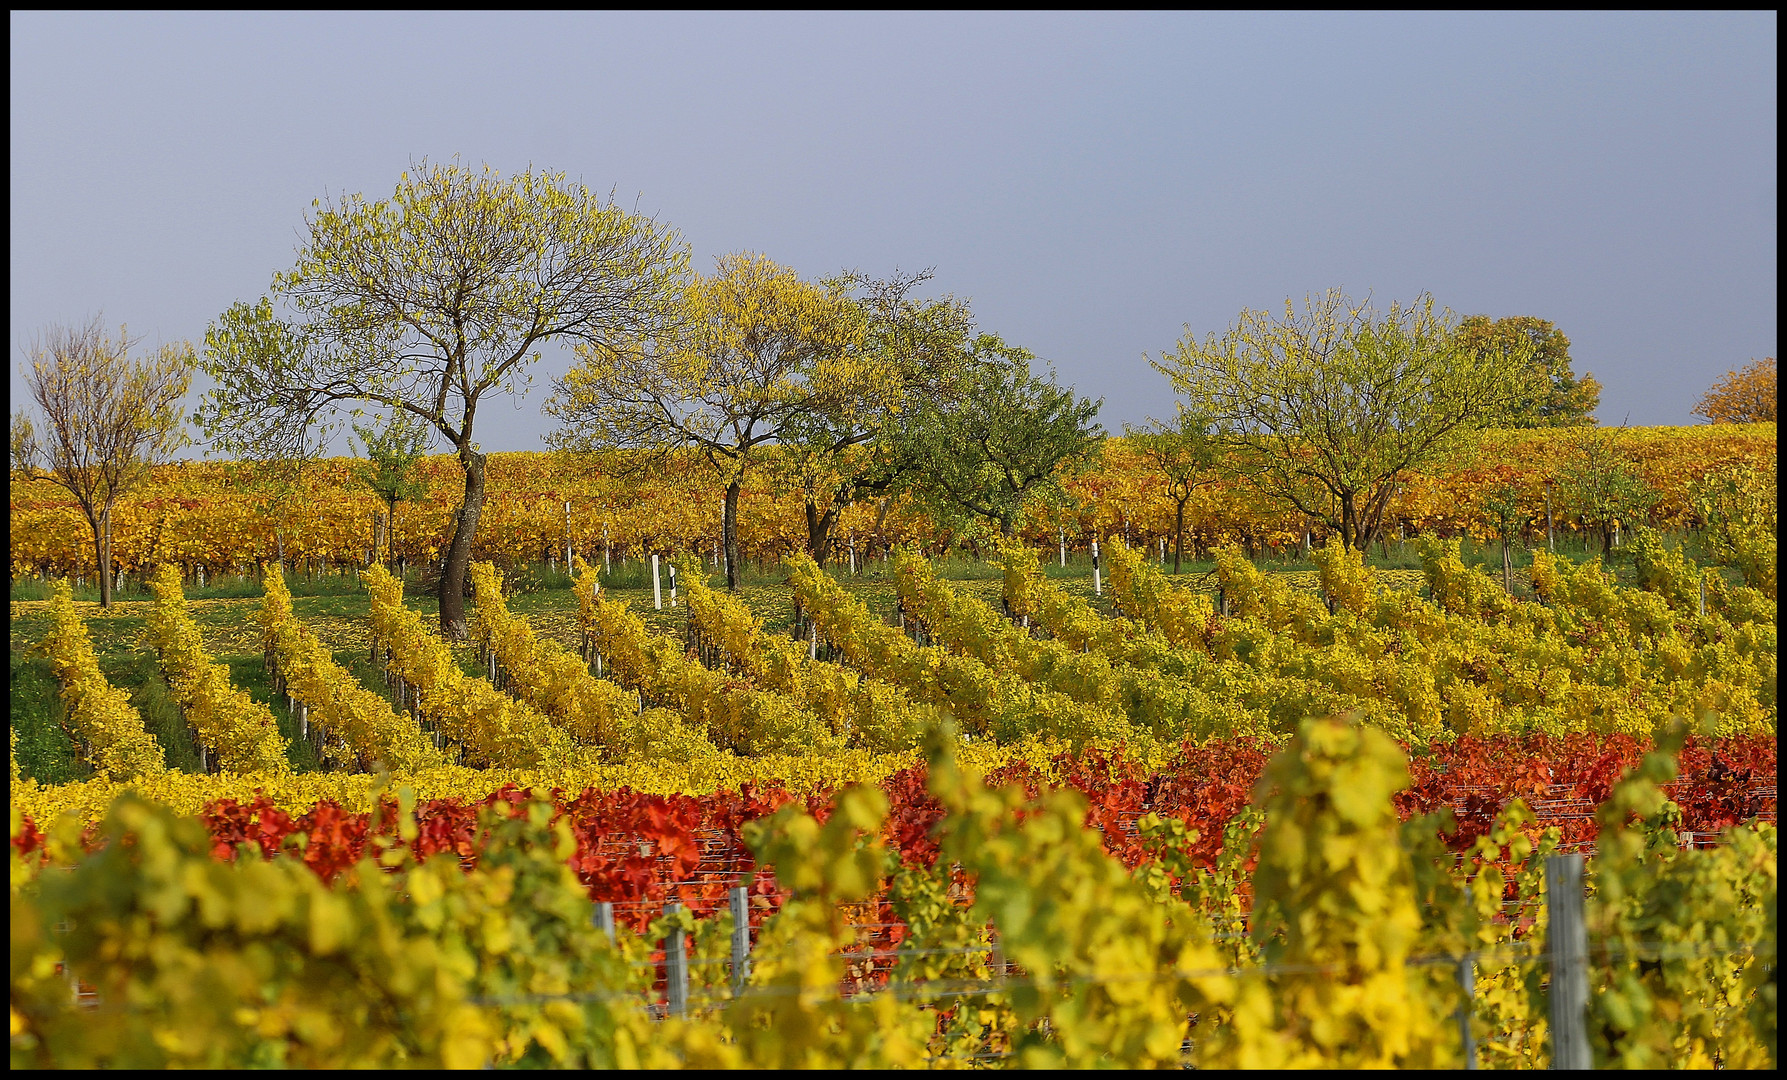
x=852, y=555
x=672, y=584
x=676, y=967
x=1549, y=547
x=605, y=918
x=740, y=899
x=657, y=595
x=1467, y=988
x=1703, y=594
x=1163, y=551
x=1568, y=949
x=1097, y=585
x=1061, y=540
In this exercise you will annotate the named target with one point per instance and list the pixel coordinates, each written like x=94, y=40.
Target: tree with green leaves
x=107, y=420
x=1004, y=439
x=1556, y=397
x=1506, y=508
x=1185, y=454
x=429, y=303
x=1600, y=485
x=392, y=470
x=1327, y=409
x=911, y=352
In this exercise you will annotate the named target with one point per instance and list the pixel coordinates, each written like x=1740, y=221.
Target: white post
x=852, y=556
x=676, y=968
x=1568, y=946
x=1097, y=585
x=607, y=549
x=605, y=918
x=657, y=595
x=1467, y=992
x=1061, y=539
x=1163, y=551
x=741, y=937
x=672, y=584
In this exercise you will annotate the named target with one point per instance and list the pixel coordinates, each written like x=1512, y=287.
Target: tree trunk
x=391, y=536
x=1348, y=523
x=459, y=551
x=729, y=532
x=1179, y=535
x=819, y=531
x=102, y=554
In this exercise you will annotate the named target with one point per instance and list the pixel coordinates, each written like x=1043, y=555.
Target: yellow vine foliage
x=1335, y=894
x=259, y=963
x=361, y=730
x=1684, y=989
x=490, y=727
x=986, y=701
x=734, y=714
x=1142, y=591
x=865, y=712
x=543, y=673
x=100, y=716
x=1168, y=707
x=244, y=735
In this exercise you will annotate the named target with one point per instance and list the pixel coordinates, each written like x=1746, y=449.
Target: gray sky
x=1092, y=182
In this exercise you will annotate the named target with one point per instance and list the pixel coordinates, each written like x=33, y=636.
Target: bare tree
x=106, y=419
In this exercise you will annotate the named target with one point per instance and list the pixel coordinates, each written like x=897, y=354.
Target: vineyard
x=1234, y=822
x=212, y=518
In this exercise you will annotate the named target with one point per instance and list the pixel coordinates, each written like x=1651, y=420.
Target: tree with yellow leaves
x=427, y=303
x=752, y=350
x=1742, y=397
x=107, y=420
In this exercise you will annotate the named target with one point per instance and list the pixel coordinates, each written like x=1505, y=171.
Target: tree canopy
x=1327, y=408
x=1600, y=485
x=426, y=304
x=913, y=352
x=1742, y=397
x=1557, y=397
x=749, y=352
x=1001, y=441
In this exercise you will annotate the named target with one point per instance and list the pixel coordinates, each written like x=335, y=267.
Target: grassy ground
x=335, y=608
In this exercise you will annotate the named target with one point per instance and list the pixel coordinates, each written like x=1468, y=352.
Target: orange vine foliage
x=221, y=516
